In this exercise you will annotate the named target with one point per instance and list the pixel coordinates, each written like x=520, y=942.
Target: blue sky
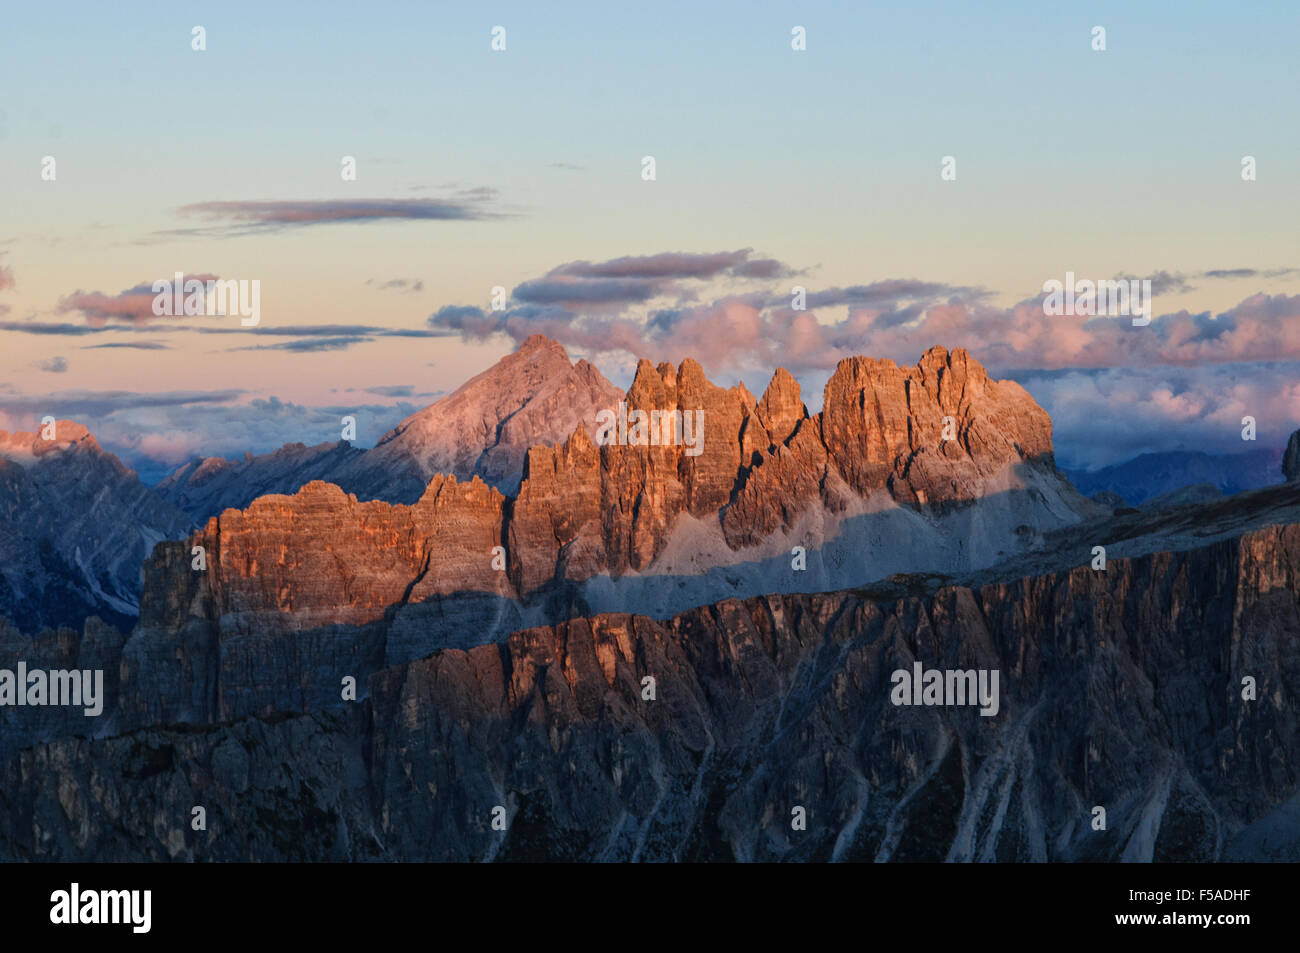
x=1122, y=162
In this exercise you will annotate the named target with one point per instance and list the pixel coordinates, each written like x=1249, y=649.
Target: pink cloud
x=132, y=306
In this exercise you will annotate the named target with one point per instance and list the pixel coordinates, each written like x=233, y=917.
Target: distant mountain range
x=75, y=528
x=1154, y=474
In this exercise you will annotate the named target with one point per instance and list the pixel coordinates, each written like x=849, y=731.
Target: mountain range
x=75, y=527
x=1151, y=475
x=636, y=652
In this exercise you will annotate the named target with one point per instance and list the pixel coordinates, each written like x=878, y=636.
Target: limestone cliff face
x=96, y=646
x=1121, y=689
x=613, y=507
x=764, y=463
x=350, y=586
x=883, y=426
x=296, y=593
x=322, y=557
x=932, y=434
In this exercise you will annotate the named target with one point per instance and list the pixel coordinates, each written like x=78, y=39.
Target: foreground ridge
x=1121, y=690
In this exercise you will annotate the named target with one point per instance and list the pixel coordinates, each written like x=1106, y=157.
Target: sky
x=522, y=168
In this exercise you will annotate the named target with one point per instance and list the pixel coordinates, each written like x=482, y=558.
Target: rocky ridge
x=207, y=486
x=1120, y=689
x=867, y=487
x=75, y=528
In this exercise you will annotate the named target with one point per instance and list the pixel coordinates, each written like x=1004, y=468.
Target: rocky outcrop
x=75, y=527
x=1291, y=458
x=270, y=608
x=1125, y=689
x=781, y=408
x=355, y=585
x=322, y=557
x=931, y=433
x=1184, y=496
x=938, y=433
x=631, y=495
x=1110, y=500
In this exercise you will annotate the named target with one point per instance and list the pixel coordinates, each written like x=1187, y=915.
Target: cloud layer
x=1114, y=390
x=231, y=219
x=625, y=305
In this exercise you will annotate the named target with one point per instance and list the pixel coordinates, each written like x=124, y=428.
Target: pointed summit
x=781, y=407
x=540, y=342
x=533, y=397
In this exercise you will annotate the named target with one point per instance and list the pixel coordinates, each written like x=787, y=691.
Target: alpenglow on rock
x=874, y=484
x=533, y=397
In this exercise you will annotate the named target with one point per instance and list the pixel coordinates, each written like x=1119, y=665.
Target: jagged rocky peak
x=1291, y=458
x=323, y=556
x=652, y=387
x=614, y=518
x=534, y=396
x=937, y=432
x=932, y=431
x=781, y=408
